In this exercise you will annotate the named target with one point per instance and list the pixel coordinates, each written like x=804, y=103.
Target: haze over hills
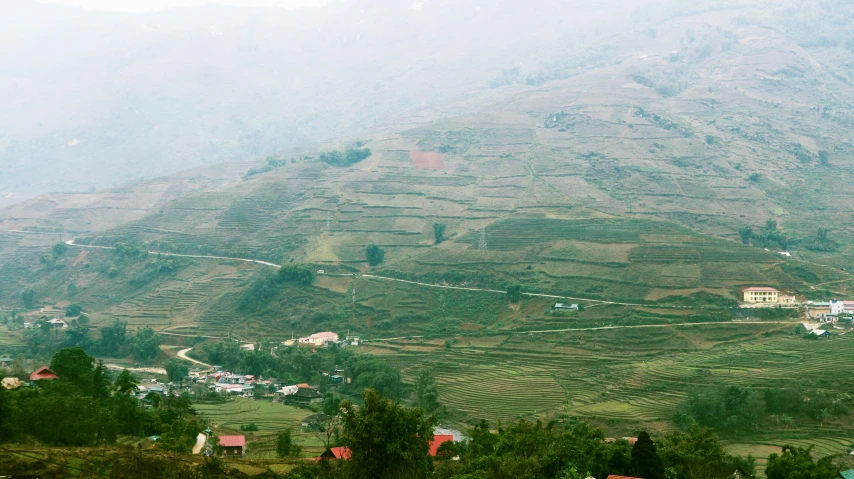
x=440, y=182
x=100, y=99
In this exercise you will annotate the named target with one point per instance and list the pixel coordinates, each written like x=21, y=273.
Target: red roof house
x=43, y=373
x=336, y=453
x=344, y=453
x=233, y=445
x=437, y=441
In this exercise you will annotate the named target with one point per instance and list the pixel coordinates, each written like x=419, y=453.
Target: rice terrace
x=619, y=248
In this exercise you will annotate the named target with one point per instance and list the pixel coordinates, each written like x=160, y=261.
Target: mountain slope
x=627, y=181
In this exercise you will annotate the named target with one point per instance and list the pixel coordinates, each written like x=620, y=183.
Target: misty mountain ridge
x=101, y=99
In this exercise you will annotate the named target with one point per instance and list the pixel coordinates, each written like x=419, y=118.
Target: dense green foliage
x=426, y=390
x=374, y=254
x=737, y=409
x=514, y=293
x=43, y=339
x=348, y=157
x=285, y=446
x=646, y=462
x=386, y=440
x=84, y=408
x=298, y=364
x=266, y=287
x=176, y=370
x=797, y=463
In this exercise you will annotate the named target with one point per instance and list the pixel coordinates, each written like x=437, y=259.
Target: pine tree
x=645, y=460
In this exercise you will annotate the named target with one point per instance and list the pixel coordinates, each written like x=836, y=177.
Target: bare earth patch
x=427, y=160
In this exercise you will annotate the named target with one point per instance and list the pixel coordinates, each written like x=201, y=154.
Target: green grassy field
x=631, y=379
x=270, y=419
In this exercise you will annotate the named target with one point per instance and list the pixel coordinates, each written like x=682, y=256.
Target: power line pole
x=481, y=245
x=328, y=223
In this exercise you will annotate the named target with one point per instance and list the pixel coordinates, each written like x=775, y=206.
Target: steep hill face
x=627, y=181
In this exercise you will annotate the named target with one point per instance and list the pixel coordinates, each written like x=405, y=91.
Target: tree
x=746, y=234
x=374, y=254
x=823, y=157
x=514, y=293
x=293, y=273
x=285, y=446
x=176, y=370
x=386, y=440
x=755, y=177
x=28, y=297
x=426, y=390
x=645, y=460
x=5, y=416
x=125, y=382
x=770, y=225
x=146, y=344
x=797, y=463
x=74, y=366
x=698, y=454
x=439, y=232
x=113, y=338
x=73, y=310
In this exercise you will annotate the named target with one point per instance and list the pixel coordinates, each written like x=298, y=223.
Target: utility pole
x=328, y=223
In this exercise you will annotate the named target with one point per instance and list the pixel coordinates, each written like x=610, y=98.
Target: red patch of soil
x=427, y=160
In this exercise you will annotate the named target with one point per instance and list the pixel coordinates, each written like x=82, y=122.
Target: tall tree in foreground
x=426, y=390
x=386, y=440
x=645, y=460
x=797, y=463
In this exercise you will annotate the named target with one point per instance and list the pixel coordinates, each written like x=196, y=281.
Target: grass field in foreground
x=270, y=419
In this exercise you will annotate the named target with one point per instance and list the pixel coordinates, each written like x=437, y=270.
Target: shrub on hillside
x=348, y=157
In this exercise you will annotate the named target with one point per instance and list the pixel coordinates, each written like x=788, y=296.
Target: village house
x=43, y=373
x=5, y=361
x=304, y=397
x=232, y=445
x=57, y=323
x=345, y=454
x=820, y=310
x=761, y=295
x=787, y=300
x=319, y=339
x=315, y=421
x=820, y=333
x=566, y=307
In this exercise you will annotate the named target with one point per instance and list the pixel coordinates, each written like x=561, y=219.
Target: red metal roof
x=232, y=441
x=341, y=453
x=437, y=441
x=344, y=453
x=43, y=373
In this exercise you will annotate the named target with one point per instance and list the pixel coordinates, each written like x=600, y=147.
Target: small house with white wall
x=319, y=339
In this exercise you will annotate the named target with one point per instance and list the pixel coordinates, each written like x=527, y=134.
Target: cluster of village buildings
x=821, y=311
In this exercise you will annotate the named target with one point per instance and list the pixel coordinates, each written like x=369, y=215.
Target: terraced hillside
x=631, y=378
